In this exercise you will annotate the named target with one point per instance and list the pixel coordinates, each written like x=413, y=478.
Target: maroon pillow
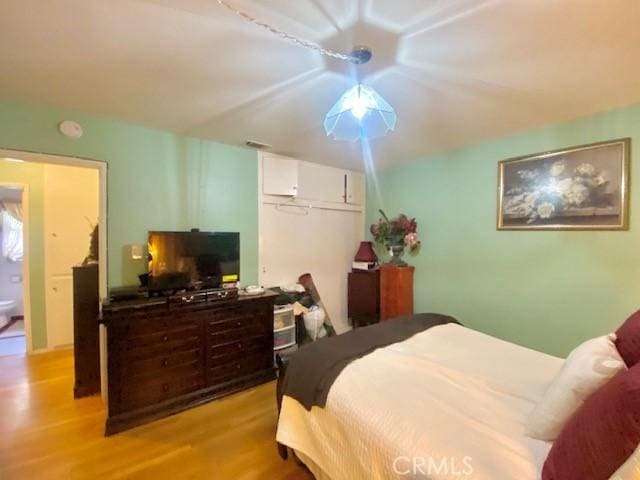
x=601, y=435
x=628, y=342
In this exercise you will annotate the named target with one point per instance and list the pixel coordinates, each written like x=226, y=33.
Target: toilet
x=5, y=308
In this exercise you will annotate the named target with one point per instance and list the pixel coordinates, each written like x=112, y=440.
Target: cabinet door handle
x=165, y=387
x=188, y=299
x=165, y=338
x=240, y=346
x=165, y=362
x=238, y=366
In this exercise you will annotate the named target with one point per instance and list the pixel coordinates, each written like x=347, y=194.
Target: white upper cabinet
x=321, y=183
x=284, y=176
x=279, y=175
x=355, y=186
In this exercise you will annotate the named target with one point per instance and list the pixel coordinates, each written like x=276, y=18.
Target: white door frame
x=36, y=157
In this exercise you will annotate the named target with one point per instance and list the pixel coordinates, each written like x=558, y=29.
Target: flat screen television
x=193, y=260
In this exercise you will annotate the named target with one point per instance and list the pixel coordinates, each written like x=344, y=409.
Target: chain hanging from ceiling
x=371, y=116
x=286, y=36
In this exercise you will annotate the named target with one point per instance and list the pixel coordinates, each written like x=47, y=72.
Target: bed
x=446, y=403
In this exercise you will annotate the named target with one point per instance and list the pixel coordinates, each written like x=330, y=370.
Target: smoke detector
x=70, y=129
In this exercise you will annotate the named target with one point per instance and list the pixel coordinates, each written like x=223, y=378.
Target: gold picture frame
x=577, y=188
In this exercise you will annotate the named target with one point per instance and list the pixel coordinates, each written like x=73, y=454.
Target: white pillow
x=586, y=369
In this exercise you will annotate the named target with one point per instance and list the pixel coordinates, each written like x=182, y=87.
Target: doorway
x=12, y=328
x=67, y=214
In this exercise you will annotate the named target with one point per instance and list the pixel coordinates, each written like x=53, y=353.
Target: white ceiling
x=457, y=71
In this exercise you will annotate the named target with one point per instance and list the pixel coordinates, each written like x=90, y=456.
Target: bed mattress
x=447, y=403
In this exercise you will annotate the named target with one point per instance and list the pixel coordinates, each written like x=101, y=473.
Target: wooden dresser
x=169, y=354
x=396, y=291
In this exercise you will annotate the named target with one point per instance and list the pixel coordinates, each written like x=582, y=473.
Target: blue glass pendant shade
x=360, y=113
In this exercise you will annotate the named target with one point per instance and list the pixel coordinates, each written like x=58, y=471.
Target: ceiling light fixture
x=360, y=113
x=370, y=114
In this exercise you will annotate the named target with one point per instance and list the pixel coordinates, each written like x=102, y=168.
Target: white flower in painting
x=545, y=210
x=585, y=170
x=563, y=186
x=528, y=202
x=577, y=194
x=531, y=197
x=521, y=205
x=557, y=168
x=528, y=174
x=602, y=178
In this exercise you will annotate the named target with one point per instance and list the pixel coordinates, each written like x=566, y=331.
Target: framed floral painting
x=577, y=188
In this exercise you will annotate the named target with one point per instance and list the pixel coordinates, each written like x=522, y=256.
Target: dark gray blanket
x=313, y=369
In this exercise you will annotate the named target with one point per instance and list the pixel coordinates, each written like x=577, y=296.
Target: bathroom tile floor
x=12, y=340
x=12, y=345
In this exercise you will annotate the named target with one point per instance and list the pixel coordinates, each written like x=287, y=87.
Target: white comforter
x=448, y=403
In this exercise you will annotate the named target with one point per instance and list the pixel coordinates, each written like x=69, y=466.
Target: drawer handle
x=165, y=362
x=165, y=338
x=239, y=324
x=238, y=366
x=165, y=387
x=239, y=346
x=188, y=299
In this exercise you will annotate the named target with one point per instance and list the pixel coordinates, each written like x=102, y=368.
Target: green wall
x=156, y=181
x=546, y=290
x=33, y=176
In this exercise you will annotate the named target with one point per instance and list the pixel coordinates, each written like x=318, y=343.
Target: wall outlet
x=15, y=279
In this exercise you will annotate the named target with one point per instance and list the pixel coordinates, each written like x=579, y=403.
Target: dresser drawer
x=237, y=320
x=246, y=365
x=166, y=339
x=237, y=328
x=227, y=311
x=241, y=347
x=168, y=364
x=165, y=323
x=142, y=324
x=143, y=393
x=220, y=337
x=124, y=356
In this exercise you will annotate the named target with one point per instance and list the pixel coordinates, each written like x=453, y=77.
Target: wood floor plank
x=46, y=434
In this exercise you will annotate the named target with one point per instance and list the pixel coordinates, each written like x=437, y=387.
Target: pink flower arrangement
x=401, y=230
x=411, y=240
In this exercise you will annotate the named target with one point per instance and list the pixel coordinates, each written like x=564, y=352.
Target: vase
x=396, y=252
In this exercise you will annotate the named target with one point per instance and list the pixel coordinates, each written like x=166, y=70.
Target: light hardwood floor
x=46, y=434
